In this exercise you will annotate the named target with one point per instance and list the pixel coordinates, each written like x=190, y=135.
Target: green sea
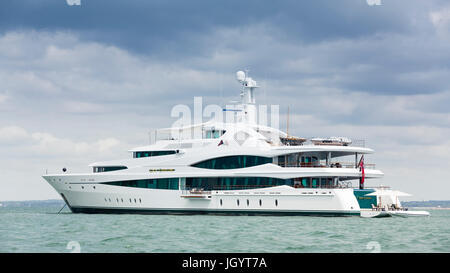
x=42, y=229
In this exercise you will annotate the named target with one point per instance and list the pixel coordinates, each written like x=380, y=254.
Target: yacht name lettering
x=161, y=170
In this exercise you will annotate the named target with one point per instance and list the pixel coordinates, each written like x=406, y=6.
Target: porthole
x=130, y=200
x=117, y=199
x=93, y=187
x=106, y=200
x=140, y=200
x=121, y=199
x=82, y=187
x=109, y=199
x=135, y=200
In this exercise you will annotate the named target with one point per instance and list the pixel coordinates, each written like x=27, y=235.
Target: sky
x=85, y=83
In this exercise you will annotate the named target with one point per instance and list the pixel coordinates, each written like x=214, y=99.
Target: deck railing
x=209, y=190
x=350, y=165
x=308, y=141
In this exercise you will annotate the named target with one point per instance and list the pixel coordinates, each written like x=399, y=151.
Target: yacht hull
x=280, y=200
x=212, y=212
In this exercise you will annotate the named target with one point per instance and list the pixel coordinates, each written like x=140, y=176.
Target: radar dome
x=240, y=76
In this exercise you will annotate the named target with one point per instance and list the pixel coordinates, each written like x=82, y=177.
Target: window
x=233, y=162
x=108, y=169
x=260, y=202
x=248, y=202
x=282, y=160
x=152, y=153
x=214, y=134
x=315, y=182
x=305, y=182
x=221, y=202
x=158, y=183
x=235, y=183
x=237, y=202
x=276, y=202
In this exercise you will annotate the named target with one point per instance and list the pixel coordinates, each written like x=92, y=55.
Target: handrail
x=340, y=185
x=348, y=165
x=253, y=187
x=354, y=143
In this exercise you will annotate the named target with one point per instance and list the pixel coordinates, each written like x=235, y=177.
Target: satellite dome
x=240, y=76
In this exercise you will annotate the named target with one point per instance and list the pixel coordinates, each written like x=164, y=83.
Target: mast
x=248, y=99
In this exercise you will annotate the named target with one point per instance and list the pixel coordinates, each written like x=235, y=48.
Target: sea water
x=42, y=229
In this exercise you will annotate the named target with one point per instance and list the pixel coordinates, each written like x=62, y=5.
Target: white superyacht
x=239, y=167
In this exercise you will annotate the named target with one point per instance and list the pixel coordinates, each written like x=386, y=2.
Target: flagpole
x=361, y=166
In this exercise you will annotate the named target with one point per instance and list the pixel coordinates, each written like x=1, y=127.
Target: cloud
x=45, y=144
x=12, y=134
x=440, y=18
x=145, y=27
x=26, y=156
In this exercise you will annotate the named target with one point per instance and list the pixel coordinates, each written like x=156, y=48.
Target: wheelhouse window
x=233, y=162
x=152, y=153
x=108, y=169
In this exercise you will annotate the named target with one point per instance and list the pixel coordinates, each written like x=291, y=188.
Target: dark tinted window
x=160, y=183
x=235, y=183
x=108, y=169
x=233, y=162
x=152, y=153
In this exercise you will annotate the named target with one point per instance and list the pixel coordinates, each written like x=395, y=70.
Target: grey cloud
x=162, y=27
x=78, y=75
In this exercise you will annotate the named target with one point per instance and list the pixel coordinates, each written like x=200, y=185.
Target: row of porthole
x=248, y=202
x=82, y=187
x=121, y=200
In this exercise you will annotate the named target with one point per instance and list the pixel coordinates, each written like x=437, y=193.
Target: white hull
x=274, y=200
x=366, y=213
x=409, y=213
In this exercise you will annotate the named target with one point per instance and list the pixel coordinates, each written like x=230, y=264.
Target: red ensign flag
x=361, y=166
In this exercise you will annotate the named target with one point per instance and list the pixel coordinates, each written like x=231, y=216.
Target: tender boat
x=387, y=204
